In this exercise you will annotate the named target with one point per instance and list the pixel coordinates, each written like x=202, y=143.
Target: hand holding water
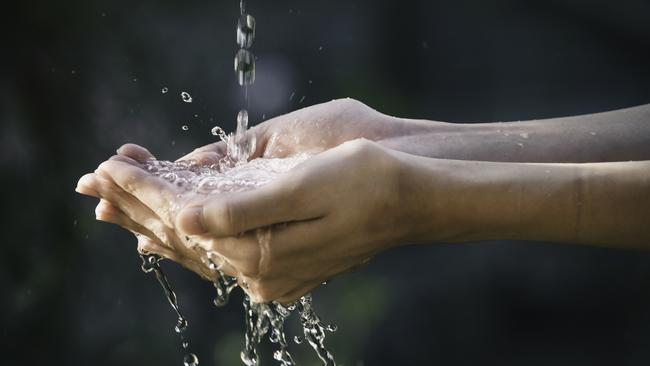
x=119, y=206
x=311, y=229
x=306, y=226
x=315, y=129
x=345, y=204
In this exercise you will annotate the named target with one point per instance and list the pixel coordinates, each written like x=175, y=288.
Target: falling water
x=191, y=179
x=235, y=173
x=150, y=263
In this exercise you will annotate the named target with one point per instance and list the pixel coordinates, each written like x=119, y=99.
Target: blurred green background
x=79, y=78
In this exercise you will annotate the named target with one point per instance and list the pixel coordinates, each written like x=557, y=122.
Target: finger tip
x=85, y=185
x=135, y=152
x=190, y=220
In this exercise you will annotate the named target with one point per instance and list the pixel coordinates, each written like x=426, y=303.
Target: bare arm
x=619, y=135
x=606, y=204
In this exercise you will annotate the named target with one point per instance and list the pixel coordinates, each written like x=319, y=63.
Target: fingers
x=146, y=245
x=105, y=211
x=135, y=152
x=154, y=192
x=206, y=158
x=85, y=185
x=295, y=294
x=125, y=159
x=214, y=151
x=231, y=214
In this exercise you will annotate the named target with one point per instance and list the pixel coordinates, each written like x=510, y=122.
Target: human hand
x=327, y=216
x=280, y=240
x=153, y=229
x=315, y=129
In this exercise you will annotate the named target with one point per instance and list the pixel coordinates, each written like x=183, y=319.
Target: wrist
x=428, y=138
x=446, y=200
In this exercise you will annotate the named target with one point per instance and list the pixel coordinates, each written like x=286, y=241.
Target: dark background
x=79, y=78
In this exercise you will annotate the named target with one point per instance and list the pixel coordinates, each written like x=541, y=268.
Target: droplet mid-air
x=190, y=359
x=245, y=67
x=245, y=31
x=186, y=97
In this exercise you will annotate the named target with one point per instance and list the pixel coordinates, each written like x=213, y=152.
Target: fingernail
x=190, y=220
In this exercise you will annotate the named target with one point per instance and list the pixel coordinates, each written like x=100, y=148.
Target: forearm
x=610, y=136
x=605, y=204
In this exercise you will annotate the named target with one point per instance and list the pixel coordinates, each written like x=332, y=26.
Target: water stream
x=235, y=173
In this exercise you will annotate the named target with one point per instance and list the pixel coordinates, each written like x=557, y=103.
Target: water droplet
x=190, y=359
x=524, y=135
x=218, y=131
x=184, y=127
x=181, y=325
x=245, y=31
x=293, y=94
x=593, y=133
x=185, y=344
x=302, y=99
x=164, y=90
x=320, y=48
x=186, y=97
x=242, y=122
x=277, y=355
x=245, y=67
x=297, y=339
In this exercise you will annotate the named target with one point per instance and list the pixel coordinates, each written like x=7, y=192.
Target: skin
x=310, y=219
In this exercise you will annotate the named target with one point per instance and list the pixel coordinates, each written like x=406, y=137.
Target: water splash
x=151, y=263
x=186, y=97
x=235, y=173
x=261, y=319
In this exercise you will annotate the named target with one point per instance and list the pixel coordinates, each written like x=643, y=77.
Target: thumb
x=230, y=214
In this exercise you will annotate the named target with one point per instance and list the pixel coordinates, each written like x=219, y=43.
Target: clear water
x=186, y=97
x=245, y=67
x=262, y=320
x=150, y=263
x=235, y=173
x=245, y=31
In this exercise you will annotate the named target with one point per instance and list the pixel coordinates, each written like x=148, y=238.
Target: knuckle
x=347, y=103
x=360, y=146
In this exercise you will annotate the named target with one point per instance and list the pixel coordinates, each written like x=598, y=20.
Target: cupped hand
x=113, y=183
x=325, y=217
x=314, y=129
